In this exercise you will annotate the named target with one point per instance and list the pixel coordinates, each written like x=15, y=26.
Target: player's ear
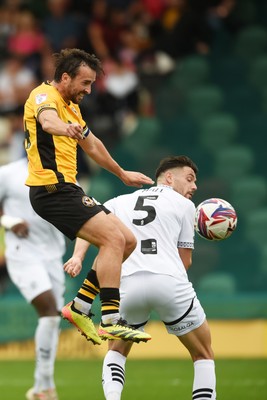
x=168, y=177
x=65, y=77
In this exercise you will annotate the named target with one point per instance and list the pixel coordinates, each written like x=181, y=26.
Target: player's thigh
x=65, y=206
x=101, y=230
x=30, y=277
x=187, y=315
x=133, y=303
x=172, y=298
x=198, y=342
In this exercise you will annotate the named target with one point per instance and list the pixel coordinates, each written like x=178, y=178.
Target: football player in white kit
x=154, y=277
x=34, y=251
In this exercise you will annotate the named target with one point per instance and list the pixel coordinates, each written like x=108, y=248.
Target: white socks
x=110, y=318
x=204, y=380
x=113, y=375
x=46, y=340
x=82, y=306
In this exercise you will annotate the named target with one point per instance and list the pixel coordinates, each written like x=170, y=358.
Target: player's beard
x=76, y=98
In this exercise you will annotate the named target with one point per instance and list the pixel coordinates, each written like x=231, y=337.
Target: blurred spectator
x=16, y=136
x=62, y=27
x=12, y=6
x=105, y=29
x=188, y=27
x=16, y=82
x=46, y=68
x=114, y=101
x=6, y=28
x=27, y=41
x=120, y=86
x=155, y=8
x=135, y=42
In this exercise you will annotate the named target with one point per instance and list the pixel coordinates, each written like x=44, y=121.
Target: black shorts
x=65, y=206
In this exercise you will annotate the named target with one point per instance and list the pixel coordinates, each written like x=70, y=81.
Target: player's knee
x=45, y=304
x=202, y=354
x=118, y=240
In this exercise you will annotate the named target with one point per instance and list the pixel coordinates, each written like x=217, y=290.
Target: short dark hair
x=70, y=60
x=175, y=162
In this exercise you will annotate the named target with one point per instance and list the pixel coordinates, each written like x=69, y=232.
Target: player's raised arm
x=98, y=152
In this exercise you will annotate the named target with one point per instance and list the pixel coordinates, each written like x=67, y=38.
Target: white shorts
x=32, y=279
x=175, y=303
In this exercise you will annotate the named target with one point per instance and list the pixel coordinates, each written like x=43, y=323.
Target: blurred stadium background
x=182, y=77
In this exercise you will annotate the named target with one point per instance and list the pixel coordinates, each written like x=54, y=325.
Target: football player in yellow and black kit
x=53, y=129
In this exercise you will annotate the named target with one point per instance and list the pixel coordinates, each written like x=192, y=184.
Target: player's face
x=184, y=181
x=81, y=85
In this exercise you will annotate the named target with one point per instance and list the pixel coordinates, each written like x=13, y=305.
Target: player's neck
x=164, y=185
x=57, y=86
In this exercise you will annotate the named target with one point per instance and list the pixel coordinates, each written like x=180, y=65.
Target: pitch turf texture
x=145, y=379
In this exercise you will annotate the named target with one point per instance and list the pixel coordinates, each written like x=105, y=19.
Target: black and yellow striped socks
x=110, y=302
x=90, y=288
x=87, y=293
x=110, y=298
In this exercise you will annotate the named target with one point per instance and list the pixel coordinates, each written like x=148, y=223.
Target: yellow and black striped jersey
x=52, y=158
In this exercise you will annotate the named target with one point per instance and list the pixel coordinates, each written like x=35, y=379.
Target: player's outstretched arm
x=137, y=179
x=98, y=152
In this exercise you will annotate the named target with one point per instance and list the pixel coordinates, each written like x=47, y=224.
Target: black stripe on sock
x=203, y=393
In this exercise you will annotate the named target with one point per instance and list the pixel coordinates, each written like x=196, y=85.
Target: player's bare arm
x=74, y=265
x=98, y=152
x=51, y=123
x=186, y=256
x=15, y=224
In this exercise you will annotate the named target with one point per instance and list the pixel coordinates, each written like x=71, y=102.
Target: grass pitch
x=145, y=379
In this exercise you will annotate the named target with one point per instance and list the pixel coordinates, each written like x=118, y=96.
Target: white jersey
x=44, y=242
x=162, y=220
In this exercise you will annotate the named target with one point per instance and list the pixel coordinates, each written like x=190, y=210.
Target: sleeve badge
x=40, y=98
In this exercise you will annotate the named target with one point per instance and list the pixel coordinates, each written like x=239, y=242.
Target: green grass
x=145, y=379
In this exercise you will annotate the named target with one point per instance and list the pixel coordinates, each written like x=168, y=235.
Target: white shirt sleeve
x=186, y=238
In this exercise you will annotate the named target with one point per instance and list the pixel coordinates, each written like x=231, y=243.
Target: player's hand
x=75, y=131
x=21, y=229
x=73, y=266
x=137, y=179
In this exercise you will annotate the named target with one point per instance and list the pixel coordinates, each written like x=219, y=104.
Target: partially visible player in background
x=34, y=251
x=154, y=277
